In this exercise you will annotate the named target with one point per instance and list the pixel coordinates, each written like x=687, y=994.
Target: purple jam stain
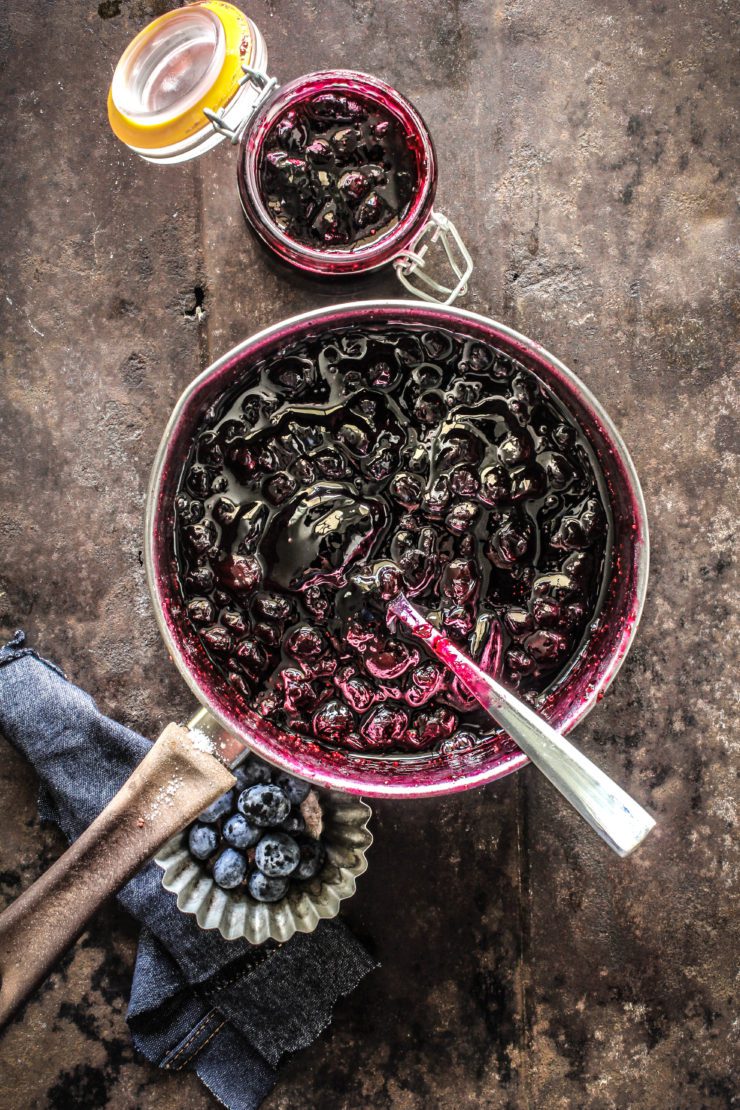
x=426, y=449
x=336, y=170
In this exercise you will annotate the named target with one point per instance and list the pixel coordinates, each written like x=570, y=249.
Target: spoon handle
x=615, y=816
x=172, y=784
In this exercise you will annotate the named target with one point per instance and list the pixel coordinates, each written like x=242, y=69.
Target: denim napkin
x=225, y=1009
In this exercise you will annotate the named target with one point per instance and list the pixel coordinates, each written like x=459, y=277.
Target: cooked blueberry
x=385, y=726
x=234, y=620
x=438, y=724
x=495, y=484
x=266, y=888
x=333, y=721
x=465, y=481
x=458, y=743
x=224, y=510
x=460, y=579
x=546, y=645
x=331, y=463
x=527, y=482
x=370, y=211
x=273, y=607
x=513, y=450
x=229, y=868
x=320, y=151
x=200, y=537
x=251, y=656
x=201, y=610
x=279, y=487
x=219, y=808
x=462, y=517
x=264, y=804
x=305, y=643
x=407, y=489
x=202, y=841
x=240, y=572
x=218, y=639
x=564, y=436
x=458, y=620
x=238, y=680
x=199, y=480
x=353, y=185
x=200, y=579
x=312, y=856
x=437, y=498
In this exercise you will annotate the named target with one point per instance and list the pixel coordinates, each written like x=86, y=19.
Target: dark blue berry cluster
x=255, y=836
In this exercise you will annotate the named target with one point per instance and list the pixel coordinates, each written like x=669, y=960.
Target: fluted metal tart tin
x=235, y=914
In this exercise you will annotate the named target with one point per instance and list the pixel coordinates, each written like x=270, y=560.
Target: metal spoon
x=608, y=809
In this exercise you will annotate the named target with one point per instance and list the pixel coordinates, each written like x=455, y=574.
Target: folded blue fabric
x=226, y=1009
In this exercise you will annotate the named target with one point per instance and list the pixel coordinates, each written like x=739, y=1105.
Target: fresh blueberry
x=294, y=822
x=239, y=833
x=312, y=858
x=219, y=808
x=229, y=869
x=264, y=804
x=277, y=854
x=202, y=841
x=252, y=771
x=295, y=789
x=265, y=888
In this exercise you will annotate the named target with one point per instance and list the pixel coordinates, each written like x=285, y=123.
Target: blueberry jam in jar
x=427, y=448
x=336, y=170
x=337, y=173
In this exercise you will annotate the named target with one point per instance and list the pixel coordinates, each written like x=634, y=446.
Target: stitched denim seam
x=193, y=1035
x=199, y=1048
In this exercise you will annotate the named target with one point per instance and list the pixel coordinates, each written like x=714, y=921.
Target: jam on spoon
x=616, y=817
x=427, y=448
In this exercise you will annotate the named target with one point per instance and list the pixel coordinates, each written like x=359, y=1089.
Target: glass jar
x=198, y=75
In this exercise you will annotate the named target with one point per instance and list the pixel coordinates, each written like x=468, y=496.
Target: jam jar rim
x=376, y=252
x=420, y=777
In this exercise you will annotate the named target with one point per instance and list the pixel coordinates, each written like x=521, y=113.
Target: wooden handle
x=173, y=783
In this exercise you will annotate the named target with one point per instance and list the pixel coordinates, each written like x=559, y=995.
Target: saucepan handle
x=171, y=785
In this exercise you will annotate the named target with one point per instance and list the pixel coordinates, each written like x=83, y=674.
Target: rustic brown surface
x=586, y=152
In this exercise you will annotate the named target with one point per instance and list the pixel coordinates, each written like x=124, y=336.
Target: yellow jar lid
x=185, y=61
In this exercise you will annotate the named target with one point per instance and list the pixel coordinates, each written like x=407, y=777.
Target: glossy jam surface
x=422, y=447
x=336, y=171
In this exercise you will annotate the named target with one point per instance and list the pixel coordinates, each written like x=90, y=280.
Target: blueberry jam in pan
x=336, y=170
x=424, y=447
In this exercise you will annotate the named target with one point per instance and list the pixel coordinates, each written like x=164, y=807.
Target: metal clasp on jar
x=221, y=121
x=412, y=261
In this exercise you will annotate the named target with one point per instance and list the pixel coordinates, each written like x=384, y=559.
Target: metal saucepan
x=46, y=919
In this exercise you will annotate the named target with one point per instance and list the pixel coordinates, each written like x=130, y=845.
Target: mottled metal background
x=586, y=152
